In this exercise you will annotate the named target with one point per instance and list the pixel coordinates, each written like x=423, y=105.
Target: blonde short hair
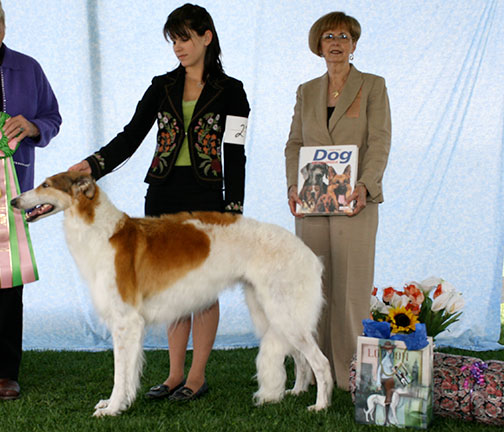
x=328, y=22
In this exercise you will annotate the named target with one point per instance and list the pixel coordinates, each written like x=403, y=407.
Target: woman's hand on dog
x=359, y=196
x=293, y=200
x=82, y=166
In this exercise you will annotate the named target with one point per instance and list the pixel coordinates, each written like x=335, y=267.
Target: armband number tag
x=235, y=130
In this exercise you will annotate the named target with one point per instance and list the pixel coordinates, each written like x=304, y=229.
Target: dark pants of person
x=11, y=331
x=181, y=192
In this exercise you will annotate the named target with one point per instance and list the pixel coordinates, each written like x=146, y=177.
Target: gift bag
x=393, y=385
x=468, y=388
x=17, y=260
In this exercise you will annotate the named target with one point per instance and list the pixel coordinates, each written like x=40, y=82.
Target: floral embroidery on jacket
x=168, y=130
x=234, y=207
x=208, y=145
x=100, y=160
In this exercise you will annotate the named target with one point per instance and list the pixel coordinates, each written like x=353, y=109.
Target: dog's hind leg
x=322, y=370
x=257, y=314
x=303, y=374
x=307, y=345
x=127, y=333
x=271, y=374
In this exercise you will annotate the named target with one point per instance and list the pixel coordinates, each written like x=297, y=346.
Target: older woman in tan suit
x=344, y=106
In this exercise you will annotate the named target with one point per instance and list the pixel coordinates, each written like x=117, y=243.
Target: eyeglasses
x=342, y=37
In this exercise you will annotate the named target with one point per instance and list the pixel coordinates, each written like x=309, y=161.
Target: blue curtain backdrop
x=443, y=62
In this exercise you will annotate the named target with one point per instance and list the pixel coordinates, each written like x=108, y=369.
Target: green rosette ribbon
x=17, y=260
x=4, y=141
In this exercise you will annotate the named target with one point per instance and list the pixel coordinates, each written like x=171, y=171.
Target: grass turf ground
x=60, y=389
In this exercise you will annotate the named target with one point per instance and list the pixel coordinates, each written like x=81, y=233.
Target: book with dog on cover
x=326, y=178
x=393, y=384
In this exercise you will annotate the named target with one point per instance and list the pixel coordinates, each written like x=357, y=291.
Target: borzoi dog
x=151, y=270
x=378, y=399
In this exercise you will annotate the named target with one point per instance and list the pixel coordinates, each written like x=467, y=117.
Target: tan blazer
x=361, y=117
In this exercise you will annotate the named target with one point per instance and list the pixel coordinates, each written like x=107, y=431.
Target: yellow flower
x=402, y=320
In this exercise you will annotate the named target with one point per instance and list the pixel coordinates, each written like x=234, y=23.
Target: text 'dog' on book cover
x=393, y=384
x=326, y=178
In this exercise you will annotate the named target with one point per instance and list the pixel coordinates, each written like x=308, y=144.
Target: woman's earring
x=351, y=57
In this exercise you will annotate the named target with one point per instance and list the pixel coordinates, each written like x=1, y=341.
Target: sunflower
x=402, y=320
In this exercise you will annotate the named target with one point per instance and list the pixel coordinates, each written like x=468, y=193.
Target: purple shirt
x=26, y=91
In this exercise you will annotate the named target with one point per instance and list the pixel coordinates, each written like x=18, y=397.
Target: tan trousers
x=347, y=247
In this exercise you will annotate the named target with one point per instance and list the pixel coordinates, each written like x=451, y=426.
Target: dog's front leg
x=127, y=335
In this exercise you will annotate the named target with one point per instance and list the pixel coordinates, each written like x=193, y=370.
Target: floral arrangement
x=433, y=302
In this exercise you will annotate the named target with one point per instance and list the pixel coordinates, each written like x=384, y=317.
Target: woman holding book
x=201, y=115
x=342, y=107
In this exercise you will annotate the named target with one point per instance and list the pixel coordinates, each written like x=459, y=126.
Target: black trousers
x=11, y=331
x=181, y=192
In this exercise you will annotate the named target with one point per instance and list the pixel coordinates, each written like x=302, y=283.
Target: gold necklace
x=337, y=92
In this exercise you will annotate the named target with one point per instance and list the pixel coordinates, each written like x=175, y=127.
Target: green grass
x=60, y=389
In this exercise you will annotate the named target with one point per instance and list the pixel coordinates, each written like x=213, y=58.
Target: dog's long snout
x=15, y=202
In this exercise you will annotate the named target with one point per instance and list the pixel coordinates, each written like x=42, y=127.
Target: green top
x=183, y=158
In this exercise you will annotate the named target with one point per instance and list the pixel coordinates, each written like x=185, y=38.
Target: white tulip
x=441, y=301
x=429, y=284
x=455, y=304
x=447, y=287
x=379, y=306
x=398, y=301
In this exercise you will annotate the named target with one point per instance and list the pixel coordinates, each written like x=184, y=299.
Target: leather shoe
x=185, y=394
x=9, y=389
x=162, y=391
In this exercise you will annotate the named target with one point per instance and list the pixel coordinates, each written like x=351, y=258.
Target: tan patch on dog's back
x=210, y=218
x=153, y=253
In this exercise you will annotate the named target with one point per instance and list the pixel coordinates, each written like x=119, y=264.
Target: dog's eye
x=45, y=185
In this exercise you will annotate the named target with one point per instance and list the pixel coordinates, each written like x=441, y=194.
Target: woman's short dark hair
x=196, y=18
x=331, y=21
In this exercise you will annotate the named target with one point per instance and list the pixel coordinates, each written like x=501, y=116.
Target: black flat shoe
x=162, y=391
x=185, y=394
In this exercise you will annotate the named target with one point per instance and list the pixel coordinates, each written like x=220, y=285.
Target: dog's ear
x=331, y=172
x=85, y=185
x=347, y=171
x=305, y=169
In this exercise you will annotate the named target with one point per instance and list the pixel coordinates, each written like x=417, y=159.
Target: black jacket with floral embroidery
x=222, y=98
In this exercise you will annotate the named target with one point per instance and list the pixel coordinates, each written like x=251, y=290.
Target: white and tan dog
x=378, y=399
x=152, y=270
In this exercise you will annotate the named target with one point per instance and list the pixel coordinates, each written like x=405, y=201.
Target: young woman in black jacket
x=199, y=163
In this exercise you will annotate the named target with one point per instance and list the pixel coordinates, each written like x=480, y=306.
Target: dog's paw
x=102, y=412
x=294, y=391
x=260, y=398
x=104, y=403
x=317, y=407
